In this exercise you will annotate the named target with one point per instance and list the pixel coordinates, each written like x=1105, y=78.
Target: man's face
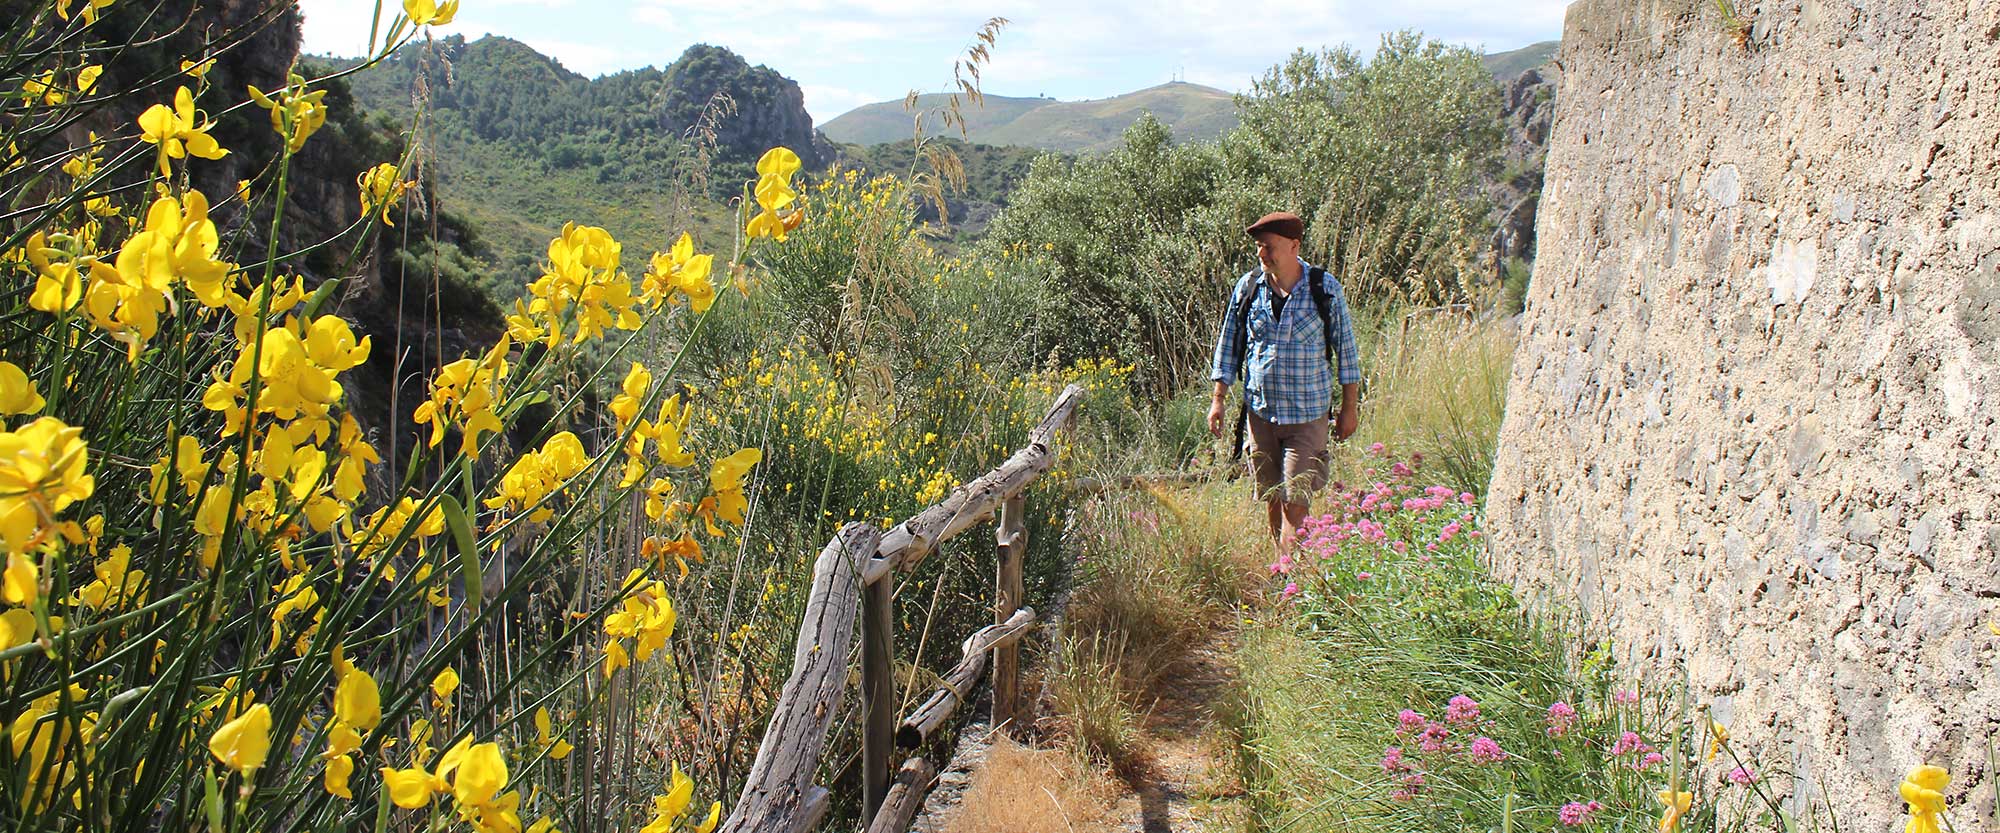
x=1273, y=249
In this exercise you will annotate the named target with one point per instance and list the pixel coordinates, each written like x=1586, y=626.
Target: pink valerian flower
x=1412, y=784
x=1742, y=776
x=1629, y=743
x=1378, y=450
x=1393, y=760
x=1449, y=532
x=1467, y=498
x=1409, y=722
x=1283, y=565
x=1291, y=589
x=1625, y=695
x=1401, y=547
x=1363, y=575
x=1424, y=558
x=1461, y=710
x=1401, y=470
x=1561, y=719
x=1651, y=759
x=1433, y=737
x=1577, y=813
x=1371, y=531
x=1486, y=750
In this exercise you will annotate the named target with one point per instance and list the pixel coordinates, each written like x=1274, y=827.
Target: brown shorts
x=1289, y=456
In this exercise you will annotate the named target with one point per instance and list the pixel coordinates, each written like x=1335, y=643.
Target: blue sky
x=846, y=53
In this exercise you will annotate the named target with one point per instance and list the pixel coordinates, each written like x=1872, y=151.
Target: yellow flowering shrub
x=231, y=599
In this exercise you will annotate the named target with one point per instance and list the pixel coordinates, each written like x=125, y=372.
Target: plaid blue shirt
x=1288, y=380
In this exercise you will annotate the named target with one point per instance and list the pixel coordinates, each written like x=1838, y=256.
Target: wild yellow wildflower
x=680, y=270
x=381, y=186
x=583, y=282
x=178, y=131
x=632, y=394
x=89, y=9
x=17, y=392
x=669, y=808
x=725, y=479
x=243, y=743
x=17, y=628
x=295, y=113
x=774, y=193
x=430, y=12
x=117, y=583
x=481, y=774
x=1923, y=791
x=409, y=788
x=357, y=701
x=466, y=394
x=339, y=769
x=538, y=474
x=1676, y=804
x=557, y=748
x=42, y=472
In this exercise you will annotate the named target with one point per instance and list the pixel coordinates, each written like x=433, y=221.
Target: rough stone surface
x=1750, y=430
x=1527, y=108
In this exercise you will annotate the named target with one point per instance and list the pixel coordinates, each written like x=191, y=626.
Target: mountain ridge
x=1192, y=111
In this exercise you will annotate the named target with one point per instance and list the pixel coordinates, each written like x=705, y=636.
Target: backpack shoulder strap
x=1240, y=307
x=1323, y=301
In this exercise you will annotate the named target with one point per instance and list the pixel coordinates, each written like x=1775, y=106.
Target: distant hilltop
x=1505, y=66
x=1192, y=111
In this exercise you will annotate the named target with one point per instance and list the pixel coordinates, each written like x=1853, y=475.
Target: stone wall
x=1750, y=430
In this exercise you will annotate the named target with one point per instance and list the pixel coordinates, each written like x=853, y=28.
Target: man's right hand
x=1216, y=411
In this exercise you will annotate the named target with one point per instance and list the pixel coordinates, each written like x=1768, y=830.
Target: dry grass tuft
x=1022, y=790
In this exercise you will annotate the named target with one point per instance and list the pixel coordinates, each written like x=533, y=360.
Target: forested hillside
x=520, y=144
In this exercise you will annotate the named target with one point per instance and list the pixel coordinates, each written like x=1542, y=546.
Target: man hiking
x=1290, y=349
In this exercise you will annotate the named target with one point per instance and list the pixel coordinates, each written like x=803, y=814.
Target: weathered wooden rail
x=854, y=578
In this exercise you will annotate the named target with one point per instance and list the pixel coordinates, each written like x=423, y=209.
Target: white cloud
x=658, y=16
x=587, y=59
x=824, y=102
x=340, y=27
x=837, y=49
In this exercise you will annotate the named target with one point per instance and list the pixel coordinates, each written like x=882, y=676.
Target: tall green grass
x=1393, y=685
x=1436, y=386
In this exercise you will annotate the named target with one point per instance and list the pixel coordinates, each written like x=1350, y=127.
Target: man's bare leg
x=1285, y=518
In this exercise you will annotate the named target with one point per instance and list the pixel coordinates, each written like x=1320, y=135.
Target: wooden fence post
x=878, y=690
x=1011, y=536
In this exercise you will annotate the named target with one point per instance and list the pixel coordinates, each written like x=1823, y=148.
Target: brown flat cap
x=1281, y=223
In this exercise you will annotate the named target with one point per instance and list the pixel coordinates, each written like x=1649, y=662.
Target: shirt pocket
x=1262, y=326
x=1306, y=327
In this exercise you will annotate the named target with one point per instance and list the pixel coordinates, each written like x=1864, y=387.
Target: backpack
x=1240, y=307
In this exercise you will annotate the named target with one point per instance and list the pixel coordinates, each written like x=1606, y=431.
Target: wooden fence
x=855, y=577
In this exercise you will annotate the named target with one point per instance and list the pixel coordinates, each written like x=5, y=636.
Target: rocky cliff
x=1750, y=430
x=769, y=108
x=1527, y=109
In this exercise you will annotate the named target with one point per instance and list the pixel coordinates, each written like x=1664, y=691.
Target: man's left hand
x=1346, y=423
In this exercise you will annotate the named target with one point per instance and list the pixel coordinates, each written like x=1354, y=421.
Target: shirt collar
x=1264, y=275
